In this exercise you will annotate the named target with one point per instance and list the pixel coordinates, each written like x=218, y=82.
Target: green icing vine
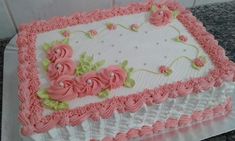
x=51, y=104
x=129, y=83
x=175, y=13
x=87, y=64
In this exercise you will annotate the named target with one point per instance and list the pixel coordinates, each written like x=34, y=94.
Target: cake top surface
x=146, y=50
x=90, y=65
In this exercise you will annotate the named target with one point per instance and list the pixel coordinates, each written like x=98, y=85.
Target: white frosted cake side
x=178, y=110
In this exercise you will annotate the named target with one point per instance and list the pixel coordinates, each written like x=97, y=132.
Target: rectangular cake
x=120, y=74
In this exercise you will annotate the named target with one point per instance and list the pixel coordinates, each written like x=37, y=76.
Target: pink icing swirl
x=121, y=137
x=59, y=51
x=208, y=113
x=63, y=89
x=199, y=62
x=107, y=138
x=61, y=67
x=113, y=77
x=89, y=84
x=171, y=123
x=161, y=17
x=197, y=116
x=146, y=130
x=219, y=109
x=132, y=133
x=158, y=126
x=184, y=120
x=133, y=104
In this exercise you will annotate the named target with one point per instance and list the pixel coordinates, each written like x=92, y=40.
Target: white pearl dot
x=58, y=66
x=111, y=74
x=57, y=51
x=89, y=81
x=61, y=84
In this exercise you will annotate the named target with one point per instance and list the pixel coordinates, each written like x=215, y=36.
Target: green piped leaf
x=55, y=105
x=124, y=64
x=43, y=94
x=46, y=47
x=62, y=31
x=104, y=94
x=51, y=104
x=62, y=106
x=175, y=13
x=87, y=64
x=98, y=64
x=177, y=39
x=153, y=8
x=65, y=41
x=46, y=63
x=129, y=83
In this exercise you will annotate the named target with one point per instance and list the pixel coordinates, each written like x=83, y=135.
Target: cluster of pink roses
x=161, y=16
x=66, y=86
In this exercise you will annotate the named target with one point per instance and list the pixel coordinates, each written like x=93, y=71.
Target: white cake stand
x=10, y=125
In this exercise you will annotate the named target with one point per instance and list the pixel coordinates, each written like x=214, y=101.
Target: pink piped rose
x=134, y=27
x=165, y=70
x=113, y=77
x=183, y=38
x=63, y=89
x=92, y=33
x=161, y=17
x=89, y=84
x=199, y=62
x=111, y=26
x=65, y=33
x=61, y=67
x=59, y=51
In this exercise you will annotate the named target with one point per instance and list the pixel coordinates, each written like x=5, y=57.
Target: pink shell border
x=31, y=109
x=171, y=123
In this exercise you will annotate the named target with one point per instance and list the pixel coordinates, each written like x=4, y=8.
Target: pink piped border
x=31, y=108
x=172, y=123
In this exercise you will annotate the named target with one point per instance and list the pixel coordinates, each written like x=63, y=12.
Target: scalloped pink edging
x=183, y=121
x=31, y=108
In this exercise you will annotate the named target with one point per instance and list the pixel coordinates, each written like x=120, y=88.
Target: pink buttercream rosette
x=113, y=77
x=59, y=51
x=63, y=89
x=161, y=17
x=63, y=66
x=89, y=84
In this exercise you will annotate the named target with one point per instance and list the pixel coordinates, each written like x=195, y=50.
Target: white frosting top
x=148, y=48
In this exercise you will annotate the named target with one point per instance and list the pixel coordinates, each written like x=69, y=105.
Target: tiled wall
x=15, y=12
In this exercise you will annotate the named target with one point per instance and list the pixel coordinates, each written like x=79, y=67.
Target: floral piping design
x=69, y=81
x=92, y=33
x=160, y=15
x=197, y=63
x=30, y=115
